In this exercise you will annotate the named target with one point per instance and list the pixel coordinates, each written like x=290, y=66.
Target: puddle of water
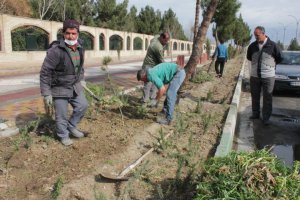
x=287, y=153
x=291, y=120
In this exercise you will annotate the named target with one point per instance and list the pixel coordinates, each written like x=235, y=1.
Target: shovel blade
x=112, y=178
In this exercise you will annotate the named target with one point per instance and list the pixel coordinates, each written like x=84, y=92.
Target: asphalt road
x=283, y=134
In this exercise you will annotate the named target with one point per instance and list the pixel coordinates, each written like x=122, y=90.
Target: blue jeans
x=170, y=101
x=79, y=105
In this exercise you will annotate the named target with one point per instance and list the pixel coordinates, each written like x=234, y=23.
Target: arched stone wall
x=8, y=23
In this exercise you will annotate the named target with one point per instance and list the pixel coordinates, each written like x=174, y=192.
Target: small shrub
x=199, y=107
x=141, y=111
x=97, y=89
x=207, y=119
x=106, y=60
x=162, y=144
x=202, y=77
x=209, y=95
x=181, y=125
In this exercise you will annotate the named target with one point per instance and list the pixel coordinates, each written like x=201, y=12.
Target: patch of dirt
x=112, y=144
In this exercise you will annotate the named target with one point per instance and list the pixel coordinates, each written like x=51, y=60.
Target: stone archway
x=101, y=42
x=29, y=38
x=115, y=42
x=137, y=43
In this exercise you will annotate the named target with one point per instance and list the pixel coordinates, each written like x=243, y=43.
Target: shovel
x=121, y=176
x=210, y=65
x=89, y=91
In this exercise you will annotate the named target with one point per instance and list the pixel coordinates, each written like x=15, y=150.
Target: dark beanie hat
x=70, y=23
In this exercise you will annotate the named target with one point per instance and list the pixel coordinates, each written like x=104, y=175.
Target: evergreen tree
x=130, y=24
x=224, y=17
x=241, y=32
x=148, y=21
x=111, y=15
x=280, y=45
x=294, y=46
x=171, y=24
x=199, y=40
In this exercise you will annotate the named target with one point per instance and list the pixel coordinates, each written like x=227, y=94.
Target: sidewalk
x=20, y=98
x=24, y=104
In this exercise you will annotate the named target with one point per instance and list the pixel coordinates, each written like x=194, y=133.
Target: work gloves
x=48, y=100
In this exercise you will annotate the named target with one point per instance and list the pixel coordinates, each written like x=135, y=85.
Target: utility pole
x=275, y=31
x=284, y=28
x=297, y=22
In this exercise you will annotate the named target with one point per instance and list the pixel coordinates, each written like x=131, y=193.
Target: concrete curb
x=227, y=137
x=9, y=132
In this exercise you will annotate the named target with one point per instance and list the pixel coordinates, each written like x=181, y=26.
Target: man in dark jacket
x=264, y=55
x=60, y=78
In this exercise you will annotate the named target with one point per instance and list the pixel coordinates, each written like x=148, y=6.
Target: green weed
x=57, y=187
x=244, y=175
x=99, y=196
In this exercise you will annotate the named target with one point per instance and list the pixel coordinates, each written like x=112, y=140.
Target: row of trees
x=227, y=26
x=100, y=13
x=294, y=46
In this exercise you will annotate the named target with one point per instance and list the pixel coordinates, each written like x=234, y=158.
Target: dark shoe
x=76, y=133
x=266, y=122
x=254, y=117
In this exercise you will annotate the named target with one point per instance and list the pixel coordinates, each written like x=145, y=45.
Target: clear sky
x=272, y=14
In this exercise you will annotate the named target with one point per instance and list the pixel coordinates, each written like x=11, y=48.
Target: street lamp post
x=275, y=31
x=284, y=28
x=297, y=21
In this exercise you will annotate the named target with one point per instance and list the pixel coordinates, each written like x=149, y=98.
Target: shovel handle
x=91, y=93
x=133, y=165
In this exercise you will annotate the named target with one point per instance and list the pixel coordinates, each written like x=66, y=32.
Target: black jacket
x=263, y=62
x=57, y=76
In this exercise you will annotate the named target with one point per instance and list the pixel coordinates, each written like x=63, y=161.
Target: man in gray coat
x=264, y=55
x=60, y=78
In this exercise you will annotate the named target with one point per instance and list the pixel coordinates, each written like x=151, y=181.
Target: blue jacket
x=221, y=52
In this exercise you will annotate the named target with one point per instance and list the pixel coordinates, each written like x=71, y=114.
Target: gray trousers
x=267, y=85
x=63, y=123
x=149, y=90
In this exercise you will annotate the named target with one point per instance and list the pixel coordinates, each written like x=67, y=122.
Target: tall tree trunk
x=216, y=36
x=199, y=40
x=196, y=18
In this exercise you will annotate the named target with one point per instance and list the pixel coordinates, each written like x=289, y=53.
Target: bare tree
x=200, y=39
x=2, y=6
x=63, y=11
x=44, y=7
x=196, y=18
